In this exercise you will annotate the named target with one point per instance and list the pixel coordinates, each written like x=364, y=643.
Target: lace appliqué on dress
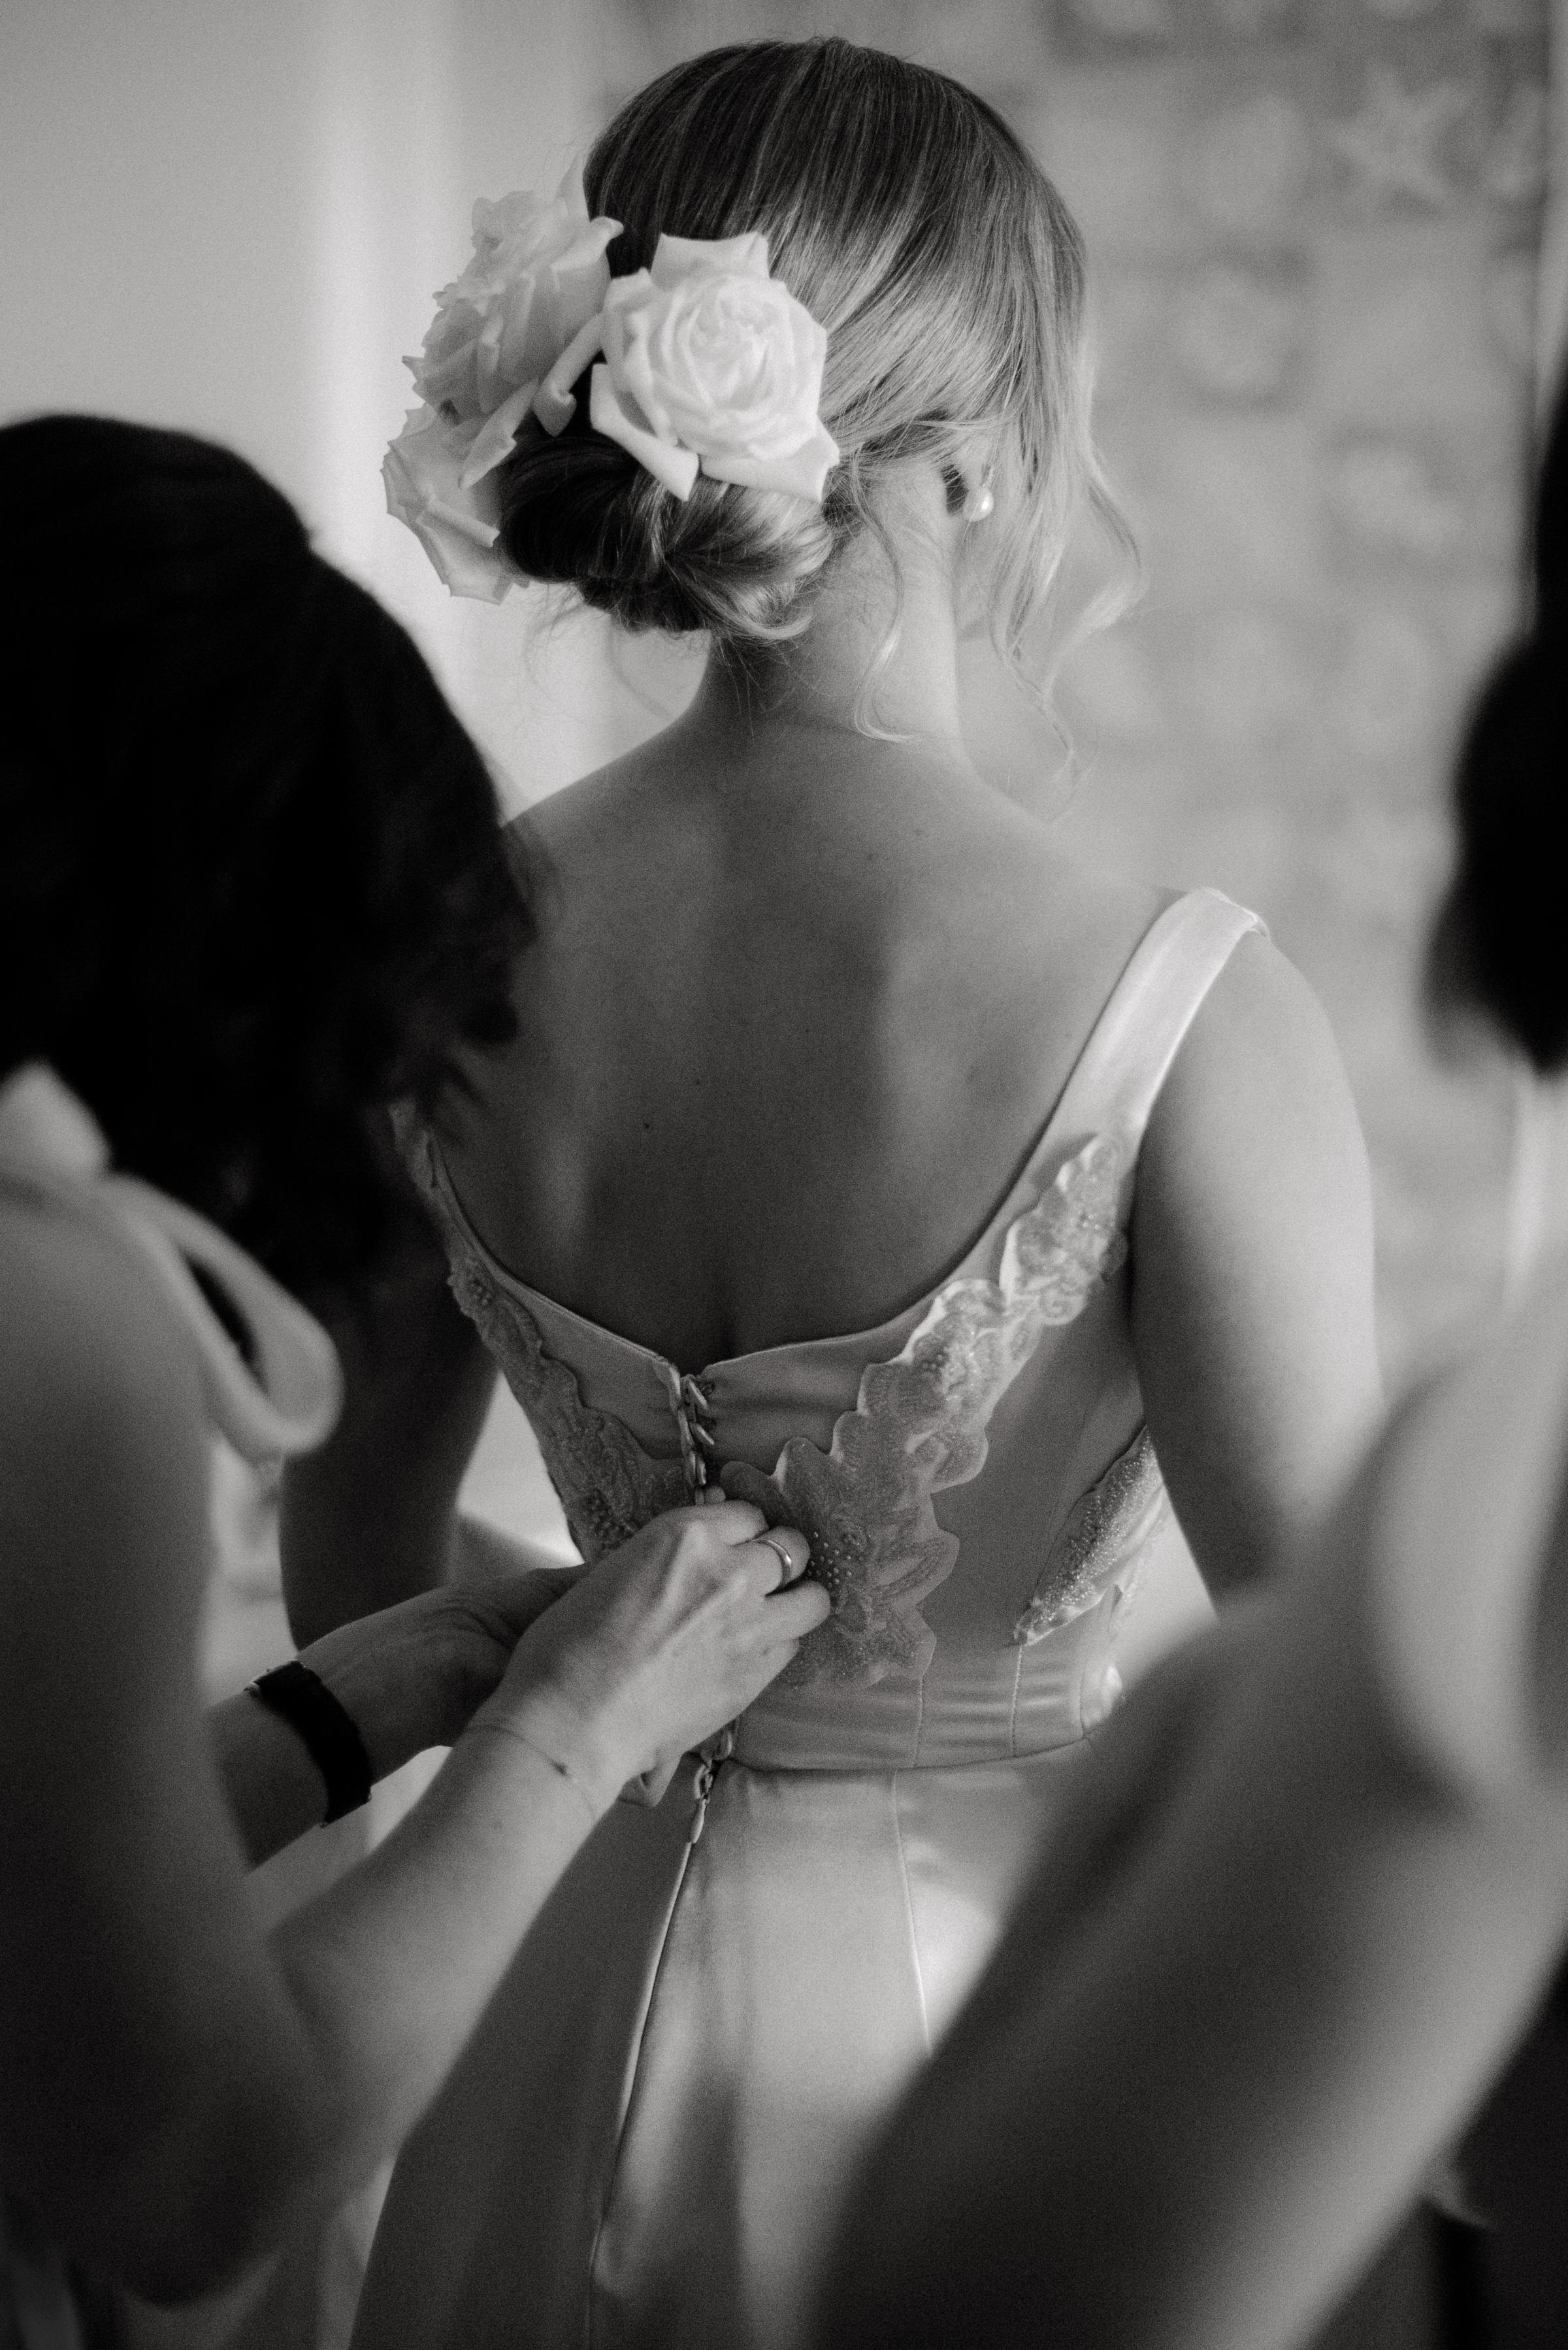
x=920, y=1425
x=609, y=1486
x=1110, y=1523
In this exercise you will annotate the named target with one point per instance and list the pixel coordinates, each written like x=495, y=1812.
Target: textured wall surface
x=1313, y=229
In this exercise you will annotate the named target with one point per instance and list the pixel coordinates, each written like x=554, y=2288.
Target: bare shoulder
x=1255, y=1129
x=1261, y=1040
x=575, y=817
x=1094, y=911
x=1074, y=926
x=1082, y=897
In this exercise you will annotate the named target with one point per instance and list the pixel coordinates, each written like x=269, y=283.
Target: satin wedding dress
x=647, y=2140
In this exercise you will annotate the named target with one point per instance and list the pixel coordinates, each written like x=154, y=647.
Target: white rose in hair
x=537, y=276
x=710, y=362
x=457, y=526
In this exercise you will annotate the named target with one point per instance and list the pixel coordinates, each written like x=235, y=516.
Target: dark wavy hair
x=1501, y=945
x=252, y=880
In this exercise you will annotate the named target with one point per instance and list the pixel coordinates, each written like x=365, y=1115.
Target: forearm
x=409, y=1678
x=309, y=2057
x=182, y=2092
x=392, y=1967
x=1269, y=2097
x=1267, y=2004
x=272, y=1789
x=653, y=1649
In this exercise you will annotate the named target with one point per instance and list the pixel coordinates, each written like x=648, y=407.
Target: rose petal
x=555, y=410
x=427, y=458
x=452, y=379
x=678, y=259
x=633, y=314
x=493, y=441
x=463, y=568
x=554, y=407
x=471, y=529
x=588, y=246
x=571, y=192
x=675, y=468
x=457, y=528
x=488, y=380
x=525, y=326
x=580, y=294
x=802, y=475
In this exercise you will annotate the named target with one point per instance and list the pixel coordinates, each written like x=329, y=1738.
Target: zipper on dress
x=692, y=1413
x=717, y=1751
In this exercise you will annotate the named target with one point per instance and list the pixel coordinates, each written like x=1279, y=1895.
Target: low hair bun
x=578, y=510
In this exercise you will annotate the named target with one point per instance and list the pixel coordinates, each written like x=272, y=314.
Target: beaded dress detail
x=646, y=2143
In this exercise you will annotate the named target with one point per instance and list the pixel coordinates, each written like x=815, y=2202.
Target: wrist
x=578, y=1742
x=493, y=1731
x=395, y=1675
x=327, y=1732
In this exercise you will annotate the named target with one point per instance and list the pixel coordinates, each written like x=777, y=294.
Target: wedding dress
x=647, y=2141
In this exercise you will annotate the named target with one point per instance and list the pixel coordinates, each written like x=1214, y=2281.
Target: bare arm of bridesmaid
x=409, y=1678
x=181, y=2091
x=1234, y=2019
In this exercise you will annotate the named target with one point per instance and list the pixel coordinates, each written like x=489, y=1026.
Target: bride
x=955, y=1201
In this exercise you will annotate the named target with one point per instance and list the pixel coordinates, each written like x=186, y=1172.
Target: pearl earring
x=978, y=505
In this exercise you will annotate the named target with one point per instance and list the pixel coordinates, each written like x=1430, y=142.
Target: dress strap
x=51, y=1147
x=1117, y=1079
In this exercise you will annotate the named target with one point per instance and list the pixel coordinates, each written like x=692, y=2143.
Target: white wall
x=232, y=217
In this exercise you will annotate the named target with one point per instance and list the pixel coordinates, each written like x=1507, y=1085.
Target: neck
x=870, y=665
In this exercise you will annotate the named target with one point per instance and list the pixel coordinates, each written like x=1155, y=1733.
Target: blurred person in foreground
x=1230, y=2028
x=251, y=888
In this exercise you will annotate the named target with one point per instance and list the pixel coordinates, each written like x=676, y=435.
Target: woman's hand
x=413, y=1676
x=409, y=1676
x=660, y=1644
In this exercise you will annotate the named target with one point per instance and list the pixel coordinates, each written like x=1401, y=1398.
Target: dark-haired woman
x=1226, y=2034
x=251, y=889
x=956, y=1201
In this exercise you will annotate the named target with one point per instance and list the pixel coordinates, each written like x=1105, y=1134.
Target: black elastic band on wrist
x=299, y=1698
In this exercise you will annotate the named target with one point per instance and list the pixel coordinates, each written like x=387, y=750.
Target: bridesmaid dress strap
x=1117, y=1076
x=50, y=1146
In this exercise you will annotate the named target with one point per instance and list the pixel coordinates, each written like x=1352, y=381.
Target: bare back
x=786, y=1037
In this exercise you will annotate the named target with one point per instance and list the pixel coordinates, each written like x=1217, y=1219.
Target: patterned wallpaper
x=1312, y=228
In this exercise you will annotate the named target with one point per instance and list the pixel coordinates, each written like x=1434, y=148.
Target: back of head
x=1501, y=942
x=904, y=214
x=250, y=878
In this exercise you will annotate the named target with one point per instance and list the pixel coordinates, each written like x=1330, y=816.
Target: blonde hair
x=948, y=274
